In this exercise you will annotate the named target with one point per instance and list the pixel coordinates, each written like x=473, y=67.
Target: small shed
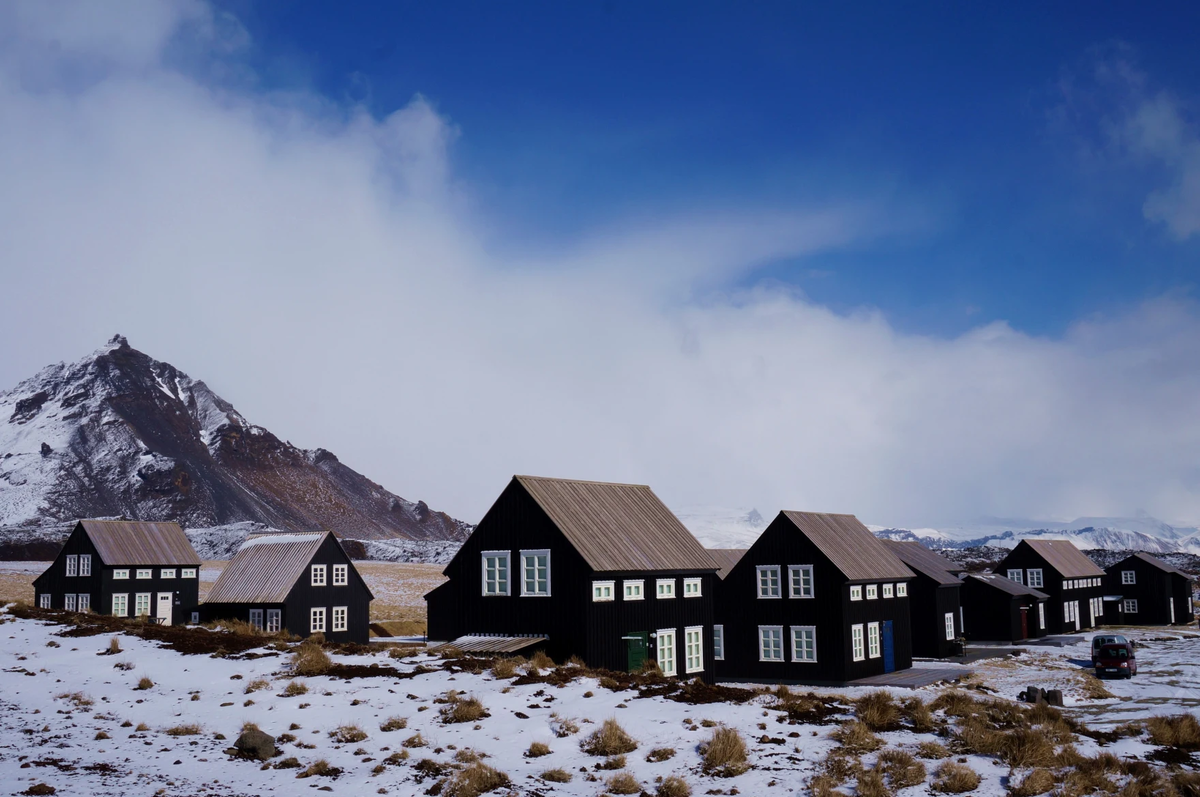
x=933, y=597
x=1151, y=591
x=999, y=609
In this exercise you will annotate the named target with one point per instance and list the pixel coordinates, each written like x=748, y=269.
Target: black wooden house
x=934, y=599
x=817, y=599
x=126, y=569
x=998, y=609
x=1150, y=591
x=575, y=568
x=302, y=583
x=1073, y=582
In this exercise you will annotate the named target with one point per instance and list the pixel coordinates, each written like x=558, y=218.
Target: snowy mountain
x=718, y=527
x=1085, y=537
x=121, y=434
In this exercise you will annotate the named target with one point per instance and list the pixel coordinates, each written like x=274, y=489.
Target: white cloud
x=334, y=280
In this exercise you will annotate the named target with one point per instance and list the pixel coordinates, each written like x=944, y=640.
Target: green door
x=636, y=643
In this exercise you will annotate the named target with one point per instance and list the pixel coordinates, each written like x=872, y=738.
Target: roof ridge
x=577, y=481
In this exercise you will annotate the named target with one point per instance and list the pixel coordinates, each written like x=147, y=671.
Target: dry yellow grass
x=1035, y=782
x=955, y=778
x=900, y=769
x=608, y=740
x=878, y=711
x=475, y=780
x=856, y=737
x=1179, y=730
x=623, y=783
x=724, y=755
x=673, y=786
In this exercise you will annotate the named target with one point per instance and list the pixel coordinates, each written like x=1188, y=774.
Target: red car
x=1116, y=660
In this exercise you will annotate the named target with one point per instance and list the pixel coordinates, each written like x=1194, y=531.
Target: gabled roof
x=136, y=542
x=617, y=527
x=849, y=545
x=1153, y=561
x=1063, y=556
x=726, y=559
x=1005, y=584
x=925, y=561
x=266, y=567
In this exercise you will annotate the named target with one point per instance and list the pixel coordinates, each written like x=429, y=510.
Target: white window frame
x=766, y=574
x=341, y=575
x=145, y=572
x=664, y=588
x=318, y=576
x=526, y=557
x=856, y=592
x=1041, y=615
x=950, y=626
x=121, y=575
x=1129, y=605
x=341, y=618
x=274, y=621
x=796, y=578
x=72, y=565
x=693, y=649
x=1099, y=606
x=44, y=600
x=1128, y=576
x=120, y=604
x=872, y=592
x=166, y=572
x=805, y=654
x=85, y=564
x=1016, y=575
x=256, y=619
x=187, y=572
x=718, y=643
x=316, y=620
x=775, y=634
x=874, y=647
x=666, y=651
x=1034, y=574
x=888, y=590
x=83, y=602
x=600, y=587
x=902, y=590
x=140, y=610
x=633, y=589
x=857, y=645
x=506, y=557
x=69, y=602
x=692, y=587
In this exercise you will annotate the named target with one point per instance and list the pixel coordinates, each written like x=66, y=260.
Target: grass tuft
x=537, y=750
x=673, y=786
x=474, y=780
x=144, y=683
x=393, y=724
x=878, y=711
x=256, y=685
x=1180, y=730
x=900, y=769
x=660, y=754
x=1035, y=782
x=608, y=740
x=416, y=740
x=184, y=730
x=348, y=734
x=319, y=768
x=310, y=659
x=724, y=755
x=294, y=689
x=458, y=709
x=540, y=660
x=506, y=667
x=557, y=775
x=856, y=737
x=954, y=778
x=623, y=783
x=611, y=764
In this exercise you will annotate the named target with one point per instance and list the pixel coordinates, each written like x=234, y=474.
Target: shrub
x=1037, y=781
x=537, y=750
x=900, y=769
x=613, y=763
x=394, y=724
x=183, y=730
x=319, y=768
x=878, y=711
x=1180, y=730
x=257, y=685
x=673, y=786
x=294, y=689
x=475, y=780
x=660, y=754
x=310, y=659
x=347, y=734
x=724, y=755
x=856, y=737
x=608, y=740
x=623, y=783
x=556, y=776
x=955, y=778
x=145, y=683
x=416, y=740
x=459, y=709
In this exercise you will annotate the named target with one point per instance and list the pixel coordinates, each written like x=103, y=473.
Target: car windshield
x=1114, y=653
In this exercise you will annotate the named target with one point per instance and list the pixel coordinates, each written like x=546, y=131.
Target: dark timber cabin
x=934, y=599
x=301, y=583
x=1073, y=582
x=1151, y=591
x=998, y=609
x=575, y=568
x=817, y=599
x=125, y=568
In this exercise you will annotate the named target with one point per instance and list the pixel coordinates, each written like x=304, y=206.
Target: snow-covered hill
x=722, y=527
x=121, y=434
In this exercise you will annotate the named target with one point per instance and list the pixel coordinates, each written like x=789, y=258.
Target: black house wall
x=1154, y=589
x=1024, y=557
x=930, y=602
x=1181, y=591
x=993, y=615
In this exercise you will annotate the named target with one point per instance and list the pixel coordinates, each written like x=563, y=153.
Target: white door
x=165, y=602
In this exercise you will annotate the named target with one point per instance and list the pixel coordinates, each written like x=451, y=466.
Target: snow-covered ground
x=48, y=734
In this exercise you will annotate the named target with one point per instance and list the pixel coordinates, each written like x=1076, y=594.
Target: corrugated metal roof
x=726, y=558
x=850, y=546
x=136, y=542
x=1063, y=556
x=1005, y=584
x=618, y=527
x=923, y=560
x=265, y=569
x=491, y=644
x=1159, y=563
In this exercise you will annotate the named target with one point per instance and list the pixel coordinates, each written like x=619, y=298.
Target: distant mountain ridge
x=122, y=434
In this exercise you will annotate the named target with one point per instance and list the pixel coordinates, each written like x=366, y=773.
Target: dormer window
x=856, y=592
x=872, y=592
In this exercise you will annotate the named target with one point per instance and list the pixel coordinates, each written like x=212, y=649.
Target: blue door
x=889, y=653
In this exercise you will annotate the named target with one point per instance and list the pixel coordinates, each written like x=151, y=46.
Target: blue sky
x=578, y=114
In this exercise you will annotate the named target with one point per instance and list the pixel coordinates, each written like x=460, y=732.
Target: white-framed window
x=318, y=577
x=768, y=581
x=83, y=602
x=719, y=642
x=274, y=620
x=691, y=587
x=665, y=587
x=693, y=649
x=187, y=572
x=1042, y=616
x=120, y=604
x=856, y=592
x=804, y=643
x=341, y=575
x=340, y=614
x=1035, y=577
x=120, y=574
x=950, y=625
x=72, y=565
x=888, y=590
x=69, y=602
x=1128, y=577
x=856, y=642
x=800, y=581
x=603, y=590
x=495, y=572
x=85, y=564
x=256, y=618
x=770, y=643
x=535, y=573
x=902, y=590
x=635, y=589
x=666, y=651
x=872, y=592
x=44, y=600
x=1017, y=576
x=142, y=604
x=1099, y=607
x=316, y=620
x=145, y=572
x=166, y=572
x=873, y=640
x=1130, y=605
